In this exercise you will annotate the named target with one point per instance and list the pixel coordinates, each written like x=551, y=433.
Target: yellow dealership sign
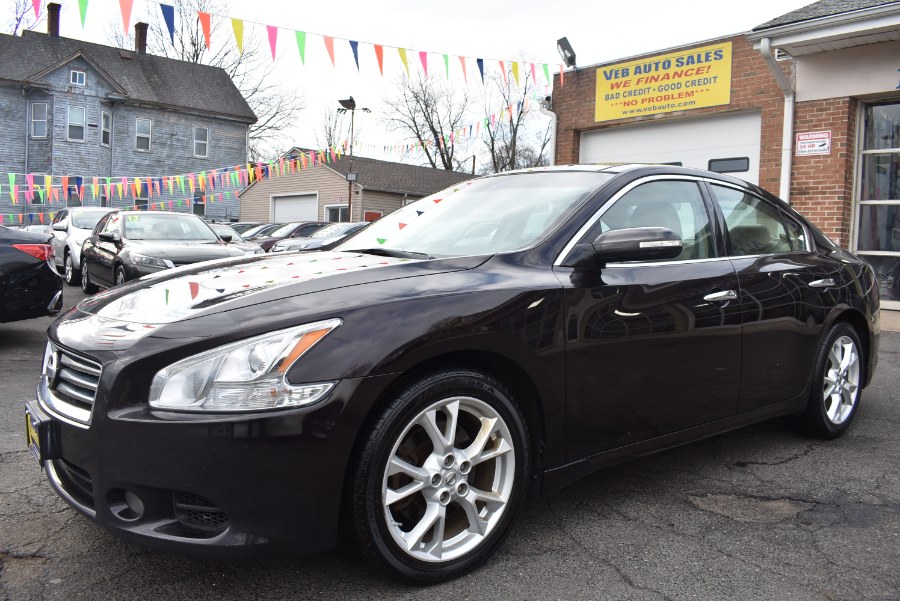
x=679, y=81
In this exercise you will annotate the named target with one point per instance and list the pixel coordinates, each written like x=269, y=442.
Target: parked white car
x=70, y=227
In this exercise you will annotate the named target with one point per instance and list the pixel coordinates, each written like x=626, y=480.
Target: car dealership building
x=806, y=106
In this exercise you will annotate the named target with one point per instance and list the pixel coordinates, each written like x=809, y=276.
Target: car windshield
x=262, y=230
x=243, y=227
x=86, y=220
x=161, y=226
x=225, y=230
x=485, y=216
x=335, y=229
x=283, y=231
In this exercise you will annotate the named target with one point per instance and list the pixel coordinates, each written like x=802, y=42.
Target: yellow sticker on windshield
x=134, y=218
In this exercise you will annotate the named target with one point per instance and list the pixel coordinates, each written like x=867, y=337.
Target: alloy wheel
x=448, y=479
x=841, y=381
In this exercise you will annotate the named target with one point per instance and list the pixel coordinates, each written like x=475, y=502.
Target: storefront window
x=878, y=214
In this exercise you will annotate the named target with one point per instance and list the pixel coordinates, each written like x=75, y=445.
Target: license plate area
x=40, y=434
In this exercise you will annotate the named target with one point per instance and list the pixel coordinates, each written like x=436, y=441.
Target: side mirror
x=226, y=237
x=61, y=225
x=108, y=236
x=637, y=244
x=631, y=244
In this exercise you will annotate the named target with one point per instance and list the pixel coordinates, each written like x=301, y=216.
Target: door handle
x=826, y=283
x=722, y=296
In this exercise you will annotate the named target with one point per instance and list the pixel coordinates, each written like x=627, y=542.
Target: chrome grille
x=73, y=382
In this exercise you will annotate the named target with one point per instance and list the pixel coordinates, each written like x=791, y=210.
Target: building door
x=878, y=210
x=721, y=143
x=296, y=207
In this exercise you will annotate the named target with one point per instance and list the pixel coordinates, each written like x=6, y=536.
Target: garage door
x=298, y=207
x=724, y=143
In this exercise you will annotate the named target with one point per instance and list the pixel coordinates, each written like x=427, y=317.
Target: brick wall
x=822, y=186
x=752, y=88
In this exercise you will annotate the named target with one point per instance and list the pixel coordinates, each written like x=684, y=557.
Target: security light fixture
x=565, y=51
x=348, y=104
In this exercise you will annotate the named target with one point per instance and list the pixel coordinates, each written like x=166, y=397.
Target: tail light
x=44, y=252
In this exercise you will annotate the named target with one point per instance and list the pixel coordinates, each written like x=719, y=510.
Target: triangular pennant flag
x=547, y=74
x=480, y=62
x=503, y=71
x=15, y=194
x=125, y=5
x=12, y=183
x=180, y=180
x=447, y=66
x=515, y=71
x=423, y=56
x=462, y=62
x=301, y=45
x=533, y=76
x=329, y=46
x=205, y=24
x=273, y=38
x=354, y=46
x=402, y=52
x=168, y=12
x=36, y=4
x=82, y=8
x=238, y=26
x=379, y=54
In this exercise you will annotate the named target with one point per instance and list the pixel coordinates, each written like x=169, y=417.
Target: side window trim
x=590, y=223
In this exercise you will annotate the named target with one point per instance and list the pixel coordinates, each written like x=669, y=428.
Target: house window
x=337, y=213
x=201, y=141
x=76, y=124
x=76, y=78
x=199, y=204
x=39, y=120
x=142, y=129
x=735, y=165
x=105, y=128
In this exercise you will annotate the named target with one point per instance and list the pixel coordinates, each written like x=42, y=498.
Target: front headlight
x=146, y=261
x=243, y=376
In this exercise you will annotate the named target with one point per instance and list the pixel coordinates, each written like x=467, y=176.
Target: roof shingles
x=144, y=77
x=820, y=9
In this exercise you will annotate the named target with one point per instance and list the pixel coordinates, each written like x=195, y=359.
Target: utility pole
x=350, y=105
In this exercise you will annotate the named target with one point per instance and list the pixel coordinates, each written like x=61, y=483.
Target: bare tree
x=276, y=108
x=335, y=129
x=23, y=17
x=428, y=110
x=515, y=139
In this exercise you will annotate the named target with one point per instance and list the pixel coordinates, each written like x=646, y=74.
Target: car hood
x=183, y=252
x=191, y=291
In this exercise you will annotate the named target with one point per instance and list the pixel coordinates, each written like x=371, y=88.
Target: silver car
x=70, y=227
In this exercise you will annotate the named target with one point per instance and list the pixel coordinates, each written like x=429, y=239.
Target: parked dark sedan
x=29, y=283
x=416, y=381
x=298, y=229
x=321, y=238
x=129, y=244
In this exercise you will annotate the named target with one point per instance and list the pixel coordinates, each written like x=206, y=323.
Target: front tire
x=120, y=275
x=73, y=276
x=837, y=384
x=86, y=286
x=440, y=476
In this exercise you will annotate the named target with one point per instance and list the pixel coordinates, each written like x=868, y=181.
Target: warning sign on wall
x=814, y=142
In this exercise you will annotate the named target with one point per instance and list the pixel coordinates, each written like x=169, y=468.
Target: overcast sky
x=599, y=31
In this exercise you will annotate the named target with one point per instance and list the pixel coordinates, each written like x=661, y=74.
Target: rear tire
x=440, y=476
x=837, y=384
x=86, y=286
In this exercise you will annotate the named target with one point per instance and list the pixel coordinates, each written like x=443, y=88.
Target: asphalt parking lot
x=759, y=513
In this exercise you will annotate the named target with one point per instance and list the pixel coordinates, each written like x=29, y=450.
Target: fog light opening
x=125, y=504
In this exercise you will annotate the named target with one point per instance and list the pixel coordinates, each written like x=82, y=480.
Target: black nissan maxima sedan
x=126, y=245
x=29, y=284
x=413, y=384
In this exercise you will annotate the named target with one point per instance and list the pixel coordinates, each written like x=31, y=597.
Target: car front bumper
x=213, y=486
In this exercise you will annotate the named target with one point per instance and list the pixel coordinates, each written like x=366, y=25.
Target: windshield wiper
x=390, y=252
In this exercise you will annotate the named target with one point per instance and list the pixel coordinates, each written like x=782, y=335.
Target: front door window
x=878, y=213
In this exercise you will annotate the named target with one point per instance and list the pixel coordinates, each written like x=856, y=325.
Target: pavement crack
x=809, y=449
